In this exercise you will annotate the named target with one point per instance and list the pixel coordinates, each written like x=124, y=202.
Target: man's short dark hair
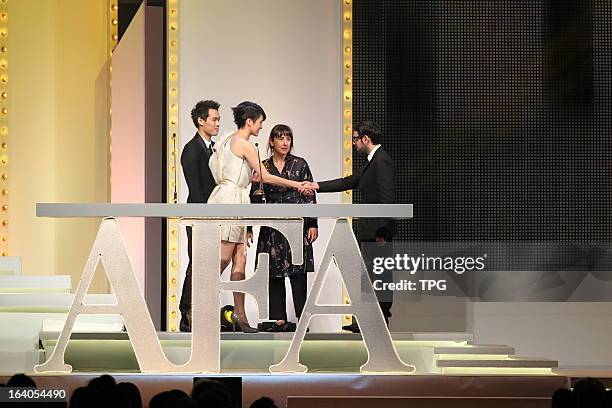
x=370, y=129
x=201, y=110
x=247, y=110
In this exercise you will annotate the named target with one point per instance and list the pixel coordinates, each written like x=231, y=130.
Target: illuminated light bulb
x=5, y=253
x=349, y=81
x=174, y=264
x=115, y=37
x=173, y=328
x=4, y=160
x=4, y=95
x=5, y=223
x=348, y=159
x=173, y=232
x=5, y=238
x=173, y=43
x=4, y=49
x=4, y=145
x=115, y=7
x=5, y=207
x=115, y=22
x=347, y=16
x=173, y=27
x=4, y=111
x=3, y=63
x=5, y=176
x=347, y=65
x=347, y=50
x=173, y=281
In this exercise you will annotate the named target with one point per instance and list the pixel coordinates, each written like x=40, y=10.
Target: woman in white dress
x=232, y=166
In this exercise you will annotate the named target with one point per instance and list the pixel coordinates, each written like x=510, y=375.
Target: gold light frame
x=113, y=40
x=172, y=228
x=4, y=129
x=347, y=112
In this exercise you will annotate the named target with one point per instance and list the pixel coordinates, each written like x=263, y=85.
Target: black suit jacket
x=376, y=182
x=194, y=161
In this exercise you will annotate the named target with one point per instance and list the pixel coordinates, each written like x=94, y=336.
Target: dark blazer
x=194, y=161
x=376, y=182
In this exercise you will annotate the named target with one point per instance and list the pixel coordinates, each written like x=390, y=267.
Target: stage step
x=493, y=359
x=502, y=362
x=47, y=302
x=10, y=265
x=34, y=284
x=471, y=349
x=496, y=365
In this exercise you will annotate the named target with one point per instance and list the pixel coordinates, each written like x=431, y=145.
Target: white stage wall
x=128, y=136
x=286, y=56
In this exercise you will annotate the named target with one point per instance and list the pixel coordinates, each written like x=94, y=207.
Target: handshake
x=308, y=187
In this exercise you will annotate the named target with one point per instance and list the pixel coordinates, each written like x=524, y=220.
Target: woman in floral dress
x=284, y=164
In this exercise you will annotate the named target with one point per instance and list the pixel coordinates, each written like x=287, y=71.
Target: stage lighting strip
x=113, y=40
x=172, y=149
x=4, y=152
x=347, y=107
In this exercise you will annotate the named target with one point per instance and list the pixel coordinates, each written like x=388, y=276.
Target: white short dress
x=233, y=176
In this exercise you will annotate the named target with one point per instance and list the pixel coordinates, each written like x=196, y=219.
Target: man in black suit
x=200, y=181
x=376, y=184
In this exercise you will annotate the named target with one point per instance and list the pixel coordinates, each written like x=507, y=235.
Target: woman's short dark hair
x=370, y=129
x=279, y=131
x=247, y=110
x=202, y=109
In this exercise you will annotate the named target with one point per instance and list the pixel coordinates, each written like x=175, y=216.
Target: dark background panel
x=496, y=113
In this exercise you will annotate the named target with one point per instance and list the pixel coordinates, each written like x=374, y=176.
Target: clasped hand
x=308, y=187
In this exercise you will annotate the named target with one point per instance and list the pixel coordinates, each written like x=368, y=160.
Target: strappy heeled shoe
x=243, y=326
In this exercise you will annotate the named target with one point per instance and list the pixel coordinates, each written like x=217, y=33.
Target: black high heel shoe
x=244, y=326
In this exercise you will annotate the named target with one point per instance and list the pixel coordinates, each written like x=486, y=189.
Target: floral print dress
x=271, y=241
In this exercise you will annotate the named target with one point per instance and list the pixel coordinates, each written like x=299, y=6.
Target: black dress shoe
x=353, y=327
x=184, y=327
x=285, y=327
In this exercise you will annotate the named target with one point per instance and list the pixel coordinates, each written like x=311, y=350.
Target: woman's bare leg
x=227, y=252
x=238, y=268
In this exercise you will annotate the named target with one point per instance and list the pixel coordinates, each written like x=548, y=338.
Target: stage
x=451, y=371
